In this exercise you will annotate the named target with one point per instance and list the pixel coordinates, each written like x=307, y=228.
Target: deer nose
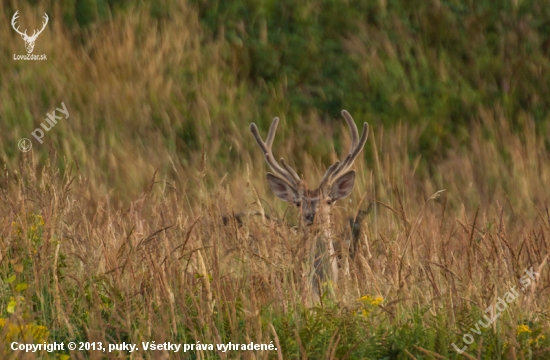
x=309, y=218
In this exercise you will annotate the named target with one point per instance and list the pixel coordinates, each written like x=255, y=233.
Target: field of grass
x=112, y=230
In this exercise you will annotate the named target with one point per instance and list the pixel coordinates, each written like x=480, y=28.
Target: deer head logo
x=29, y=40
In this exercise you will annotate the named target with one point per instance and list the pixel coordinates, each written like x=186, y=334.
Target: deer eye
x=298, y=203
x=329, y=201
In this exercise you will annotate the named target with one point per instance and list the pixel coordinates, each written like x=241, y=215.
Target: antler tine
x=328, y=173
x=353, y=128
x=357, y=145
x=269, y=143
x=354, y=151
x=272, y=131
x=256, y=133
x=285, y=172
x=348, y=161
x=290, y=170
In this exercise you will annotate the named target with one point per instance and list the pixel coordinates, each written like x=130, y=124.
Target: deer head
x=29, y=40
x=337, y=183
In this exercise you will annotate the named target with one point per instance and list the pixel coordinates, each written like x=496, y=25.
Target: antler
x=357, y=144
x=13, y=20
x=34, y=34
x=285, y=172
x=43, y=26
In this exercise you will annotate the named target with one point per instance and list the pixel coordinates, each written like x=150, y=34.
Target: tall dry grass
x=166, y=268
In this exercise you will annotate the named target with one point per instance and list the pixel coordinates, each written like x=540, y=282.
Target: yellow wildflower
x=536, y=341
x=28, y=332
x=16, y=229
x=365, y=298
x=523, y=329
x=377, y=301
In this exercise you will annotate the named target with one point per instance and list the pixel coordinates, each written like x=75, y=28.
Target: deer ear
x=343, y=186
x=281, y=188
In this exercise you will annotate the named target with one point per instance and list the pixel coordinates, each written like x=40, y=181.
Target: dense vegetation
x=111, y=230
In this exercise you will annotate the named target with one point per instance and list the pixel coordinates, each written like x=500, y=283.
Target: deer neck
x=321, y=234
x=326, y=233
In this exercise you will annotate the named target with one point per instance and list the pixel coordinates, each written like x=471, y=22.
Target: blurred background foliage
x=156, y=77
